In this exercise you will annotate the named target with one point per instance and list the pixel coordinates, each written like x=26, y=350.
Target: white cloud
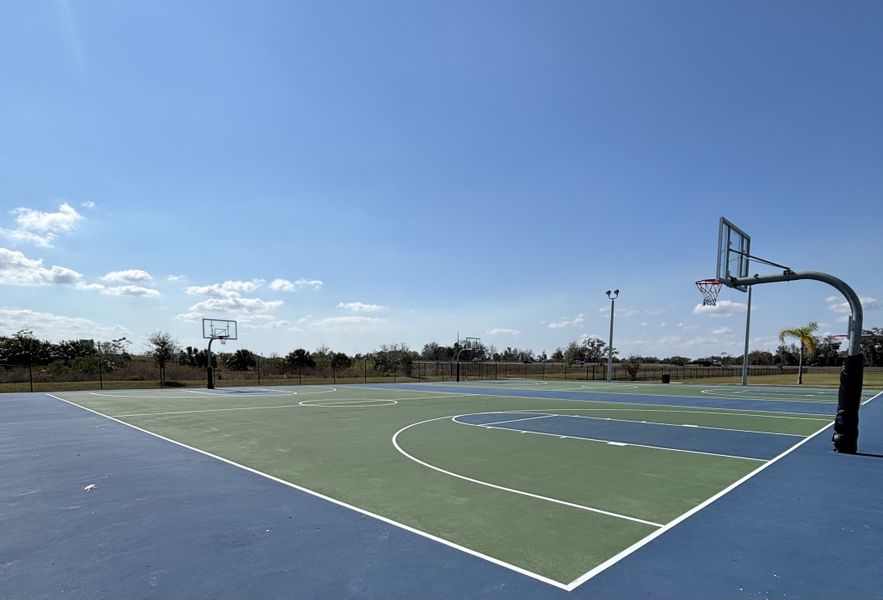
x=42, y=228
x=131, y=290
x=722, y=331
x=128, y=276
x=176, y=278
x=57, y=327
x=236, y=304
x=348, y=323
x=228, y=289
x=504, y=331
x=17, y=269
x=189, y=317
x=313, y=284
x=89, y=204
x=575, y=322
x=119, y=290
x=282, y=285
x=838, y=305
x=361, y=307
x=723, y=308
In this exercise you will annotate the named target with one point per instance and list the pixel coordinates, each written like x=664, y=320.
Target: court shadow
x=869, y=454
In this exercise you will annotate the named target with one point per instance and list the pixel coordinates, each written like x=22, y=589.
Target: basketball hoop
x=223, y=339
x=709, y=288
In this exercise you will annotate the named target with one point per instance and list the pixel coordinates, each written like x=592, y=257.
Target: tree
x=300, y=359
x=806, y=340
x=828, y=351
x=872, y=346
x=162, y=347
x=241, y=360
x=632, y=366
x=23, y=348
x=760, y=357
x=339, y=360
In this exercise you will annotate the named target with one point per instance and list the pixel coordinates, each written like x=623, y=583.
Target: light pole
x=613, y=296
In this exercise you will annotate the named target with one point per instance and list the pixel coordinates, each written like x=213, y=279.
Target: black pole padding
x=848, y=401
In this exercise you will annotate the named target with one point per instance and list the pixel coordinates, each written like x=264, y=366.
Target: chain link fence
x=143, y=373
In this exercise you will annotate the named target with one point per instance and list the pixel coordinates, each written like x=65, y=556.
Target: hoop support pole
x=851, y=373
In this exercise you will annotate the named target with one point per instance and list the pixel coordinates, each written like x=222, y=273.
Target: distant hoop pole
x=209, y=370
x=851, y=372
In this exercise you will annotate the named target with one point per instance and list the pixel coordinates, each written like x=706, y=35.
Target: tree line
x=22, y=348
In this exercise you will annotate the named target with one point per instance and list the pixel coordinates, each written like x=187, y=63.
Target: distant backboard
x=472, y=343
x=733, y=250
x=219, y=329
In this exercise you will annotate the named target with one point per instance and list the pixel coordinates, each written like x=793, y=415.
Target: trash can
x=666, y=378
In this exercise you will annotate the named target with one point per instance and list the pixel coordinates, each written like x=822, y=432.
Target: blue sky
x=355, y=174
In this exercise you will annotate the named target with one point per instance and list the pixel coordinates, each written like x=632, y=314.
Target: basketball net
x=709, y=288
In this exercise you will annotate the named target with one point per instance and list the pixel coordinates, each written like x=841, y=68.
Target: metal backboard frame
x=733, y=252
x=214, y=329
x=472, y=343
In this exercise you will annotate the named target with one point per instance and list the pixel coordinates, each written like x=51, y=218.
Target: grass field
x=550, y=486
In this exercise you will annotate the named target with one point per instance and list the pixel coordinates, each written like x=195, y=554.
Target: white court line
x=362, y=511
x=704, y=411
x=709, y=427
x=236, y=408
x=710, y=409
x=641, y=543
x=503, y=488
x=602, y=441
x=514, y=420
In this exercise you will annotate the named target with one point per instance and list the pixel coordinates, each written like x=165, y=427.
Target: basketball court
x=476, y=489
x=504, y=488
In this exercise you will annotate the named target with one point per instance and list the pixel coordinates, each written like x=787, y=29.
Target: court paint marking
x=238, y=408
x=710, y=427
x=641, y=543
x=516, y=420
x=251, y=393
x=705, y=411
x=367, y=403
x=504, y=488
x=153, y=394
x=775, y=396
x=388, y=521
x=601, y=441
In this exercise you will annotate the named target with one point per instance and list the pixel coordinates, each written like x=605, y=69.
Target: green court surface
x=548, y=503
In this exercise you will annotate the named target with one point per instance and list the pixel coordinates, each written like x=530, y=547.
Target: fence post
x=259, y=370
x=300, y=380
x=31, y=372
x=100, y=372
x=395, y=370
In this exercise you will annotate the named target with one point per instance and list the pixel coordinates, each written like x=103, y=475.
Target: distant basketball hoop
x=709, y=288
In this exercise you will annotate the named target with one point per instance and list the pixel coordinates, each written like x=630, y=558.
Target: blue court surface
x=131, y=507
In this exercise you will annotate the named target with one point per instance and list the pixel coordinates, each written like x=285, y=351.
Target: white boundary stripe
x=704, y=411
x=785, y=414
x=514, y=420
x=641, y=543
x=237, y=408
x=504, y=488
x=383, y=519
x=602, y=441
x=709, y=427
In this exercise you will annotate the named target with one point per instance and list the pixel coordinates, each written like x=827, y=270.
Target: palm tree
x=808, y=343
